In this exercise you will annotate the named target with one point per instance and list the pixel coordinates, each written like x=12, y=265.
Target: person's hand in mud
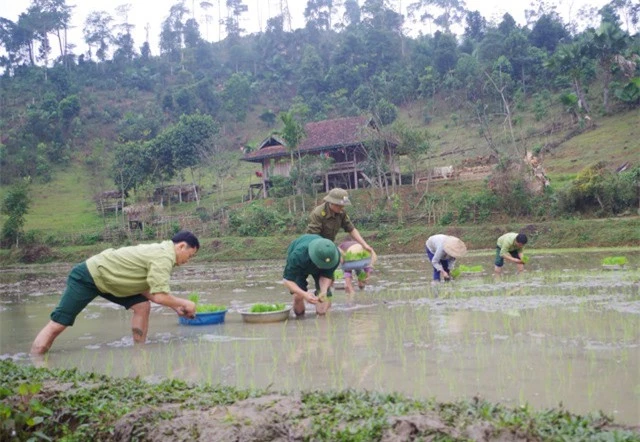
x=446, y=276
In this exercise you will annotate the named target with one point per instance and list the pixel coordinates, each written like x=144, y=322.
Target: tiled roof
x=320, y=135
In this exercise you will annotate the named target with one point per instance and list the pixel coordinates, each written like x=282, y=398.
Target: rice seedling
x=204, y=308
x=266, y=308
x=614, y=261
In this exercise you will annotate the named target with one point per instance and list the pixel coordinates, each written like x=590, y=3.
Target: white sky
x=152, y=13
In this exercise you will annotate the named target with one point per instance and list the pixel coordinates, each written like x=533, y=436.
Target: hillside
x=131, y=120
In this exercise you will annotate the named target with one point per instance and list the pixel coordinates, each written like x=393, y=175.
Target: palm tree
x=608, y=42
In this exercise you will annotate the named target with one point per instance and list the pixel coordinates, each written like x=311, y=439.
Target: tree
x=444, y=13
x=608, y=42
x=235, y=9
x=97, y=33
x=318, y=14
x=548, y=32
x=237, y=94
x=16, y=206
x=572, y=60
x=293, y=133
x=414, y=142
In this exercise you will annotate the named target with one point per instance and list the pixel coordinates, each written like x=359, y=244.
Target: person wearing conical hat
x=328, y=218
x=443, y=250
x=316, y=256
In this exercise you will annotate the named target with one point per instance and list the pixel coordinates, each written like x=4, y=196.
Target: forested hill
x=130, y=118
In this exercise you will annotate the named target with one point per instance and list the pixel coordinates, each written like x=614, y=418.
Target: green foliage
x=598, y=188
x=23, y=418
x=16, y=206
x=257, y=220
x=266, y=308
x=387, y=112
x=473, y=207
x=615, y=260
x=630, y=93
x=281, y=186
x=69, y=108
x=338, y=274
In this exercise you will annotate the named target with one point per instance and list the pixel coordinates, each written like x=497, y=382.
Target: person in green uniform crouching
x=129, y=276
x=510, y=247
x=315, y=256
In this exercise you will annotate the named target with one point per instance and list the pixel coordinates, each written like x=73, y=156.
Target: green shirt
x=326, y=223
x=299, y=265
x=507, y=243
x=132, y=270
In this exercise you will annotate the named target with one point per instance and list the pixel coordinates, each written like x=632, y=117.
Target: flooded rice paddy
x=566, y=332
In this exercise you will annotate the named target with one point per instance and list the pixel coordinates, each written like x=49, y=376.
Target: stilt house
x=344, y=140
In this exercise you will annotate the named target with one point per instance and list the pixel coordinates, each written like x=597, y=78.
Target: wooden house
x=139, y=215
x=109, y=201
x=342, y=139
x=176, y=193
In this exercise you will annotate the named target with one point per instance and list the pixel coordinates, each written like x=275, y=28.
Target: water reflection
x=558, y=334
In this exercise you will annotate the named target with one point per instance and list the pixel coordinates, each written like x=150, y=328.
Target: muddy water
x=565, y=332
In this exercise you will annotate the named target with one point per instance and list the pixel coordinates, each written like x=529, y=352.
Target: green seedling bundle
x=338, y=274
x=205, y=308
x=614, y=261
x=266, y=308
x=356, y=256
x=470, y=269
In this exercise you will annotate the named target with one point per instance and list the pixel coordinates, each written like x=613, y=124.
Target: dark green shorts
x=80, y=291
x=500, y=260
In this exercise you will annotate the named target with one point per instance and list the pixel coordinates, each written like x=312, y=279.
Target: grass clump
x=614, y=261
x=266, y=308
x=205, y=308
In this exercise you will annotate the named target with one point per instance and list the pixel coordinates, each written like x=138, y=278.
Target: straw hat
x=454, y=247
x=324, y=253
x=357, y=248
x=337, y=196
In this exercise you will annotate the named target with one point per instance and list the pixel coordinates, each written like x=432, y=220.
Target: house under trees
x=346, y=141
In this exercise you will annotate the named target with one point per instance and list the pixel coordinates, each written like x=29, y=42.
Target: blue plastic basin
x=204, y=318
x=360, y=264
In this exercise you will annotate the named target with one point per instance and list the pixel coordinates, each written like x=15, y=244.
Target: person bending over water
x=130, y=277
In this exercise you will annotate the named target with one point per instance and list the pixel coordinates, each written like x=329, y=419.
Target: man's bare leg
x=140, y=322
x=45, y=338
x=298, y=305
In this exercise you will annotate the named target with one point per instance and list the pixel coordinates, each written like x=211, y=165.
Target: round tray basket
x=360, y=264
x=204, y=318
x=264, y=317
